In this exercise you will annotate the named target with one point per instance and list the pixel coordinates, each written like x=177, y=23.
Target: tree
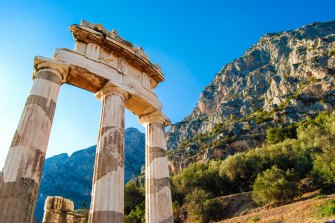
x=195, y=203
x=280, y=133
x=319, y=134
x=83, y=206
x=274, y=186
x=137, y=214
x=201, y=208
x=133, y=197
x=241, y=169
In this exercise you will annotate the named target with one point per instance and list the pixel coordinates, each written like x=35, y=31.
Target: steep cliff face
x=71, y=176
x=285, y=77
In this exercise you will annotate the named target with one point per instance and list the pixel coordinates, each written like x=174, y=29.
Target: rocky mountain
x=284, y=78
x=71, y=176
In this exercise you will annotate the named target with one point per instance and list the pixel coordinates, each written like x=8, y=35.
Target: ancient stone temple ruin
x=61, y=210
x=121, y=76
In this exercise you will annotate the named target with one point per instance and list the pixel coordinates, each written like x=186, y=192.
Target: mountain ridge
x=283, y=78
x=71, y=176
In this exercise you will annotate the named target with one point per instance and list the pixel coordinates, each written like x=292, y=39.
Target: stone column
x=158, y=201
x=20, y=179
x=107, y=203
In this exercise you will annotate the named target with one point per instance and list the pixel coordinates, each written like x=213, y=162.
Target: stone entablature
x=61, y=210
x=121, y=76
x=101, y=56
x=92, y=38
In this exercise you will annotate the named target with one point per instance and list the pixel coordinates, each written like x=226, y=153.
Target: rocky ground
x=304, y=210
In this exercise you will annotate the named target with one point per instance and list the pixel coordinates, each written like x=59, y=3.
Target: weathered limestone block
x=61, y=210
x=92, y=51
x=108, y=180
x=158, y=202
x=21, y=175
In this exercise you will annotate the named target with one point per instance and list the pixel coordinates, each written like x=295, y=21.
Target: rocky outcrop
x=284, y=78
x=71, y=176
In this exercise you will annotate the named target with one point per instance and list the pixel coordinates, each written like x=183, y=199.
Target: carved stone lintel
x=56, y=67
x=92, y=51
x=108, y=59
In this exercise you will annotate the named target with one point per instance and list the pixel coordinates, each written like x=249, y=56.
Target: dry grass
x=301, y=211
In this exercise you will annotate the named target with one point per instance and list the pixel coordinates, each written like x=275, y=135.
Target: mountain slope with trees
x=274, y=174
x=284, y=78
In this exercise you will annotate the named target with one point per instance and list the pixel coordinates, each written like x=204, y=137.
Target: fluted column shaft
x=108, y=180
x=20, y=180
x=158, y=202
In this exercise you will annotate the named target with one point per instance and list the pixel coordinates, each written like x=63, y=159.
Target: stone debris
x=61, y=210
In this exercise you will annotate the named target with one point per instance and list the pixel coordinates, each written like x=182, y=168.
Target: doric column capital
x=109, y=89
x=155, y=117
x=57, y=71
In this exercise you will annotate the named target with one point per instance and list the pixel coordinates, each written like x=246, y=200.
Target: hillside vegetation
x=284, y=168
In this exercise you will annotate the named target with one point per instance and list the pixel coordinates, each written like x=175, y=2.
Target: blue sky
x=190, y=40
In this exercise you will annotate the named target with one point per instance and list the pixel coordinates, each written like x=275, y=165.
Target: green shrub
x=255, y=219
x=243, y=168
x=204, y=176
x=134, y=203
x=323, y=137
x=134, y=196
x=196, y=208
x=274, y=186
x=324, y=166
x=175, y=208
x=326, y=209
x=137, y=214
x=214, y=210
x=201, y=208
x=321, y=196
x=280, y=133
